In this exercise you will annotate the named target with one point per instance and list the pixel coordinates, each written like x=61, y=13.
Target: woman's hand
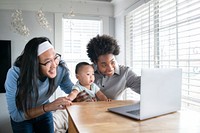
x=58, y=104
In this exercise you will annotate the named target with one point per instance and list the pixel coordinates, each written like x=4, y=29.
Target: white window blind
x=76, y=35
x=166, y=33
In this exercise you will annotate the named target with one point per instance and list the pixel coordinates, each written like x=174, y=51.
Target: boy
x=85, y=75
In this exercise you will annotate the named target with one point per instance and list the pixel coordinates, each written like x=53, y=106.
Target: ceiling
x=100, y=0
x=97, y=0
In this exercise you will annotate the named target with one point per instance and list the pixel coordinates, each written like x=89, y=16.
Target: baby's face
x=86, y=75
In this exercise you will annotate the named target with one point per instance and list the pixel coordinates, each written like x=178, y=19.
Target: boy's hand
x=83, y=97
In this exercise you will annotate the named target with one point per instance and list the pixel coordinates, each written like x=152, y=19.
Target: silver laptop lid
x=160, y=91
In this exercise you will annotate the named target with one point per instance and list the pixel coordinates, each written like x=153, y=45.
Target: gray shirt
x=114, y=86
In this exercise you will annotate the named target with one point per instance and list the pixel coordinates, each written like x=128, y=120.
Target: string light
x=18, y=24
x=40, y=16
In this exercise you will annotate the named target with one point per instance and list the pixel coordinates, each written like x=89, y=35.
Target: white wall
x=54, y=11
x=4, y=117
x=61, y=6
x=17, y=41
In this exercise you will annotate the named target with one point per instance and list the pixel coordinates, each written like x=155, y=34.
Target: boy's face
x=85, y=75
x=106, y=64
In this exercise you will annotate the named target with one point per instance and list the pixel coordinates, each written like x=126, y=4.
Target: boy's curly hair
x=101, y=45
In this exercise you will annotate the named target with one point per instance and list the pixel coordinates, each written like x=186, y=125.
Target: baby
x=85, y=75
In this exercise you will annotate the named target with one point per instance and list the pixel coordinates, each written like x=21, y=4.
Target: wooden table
x=93, y=117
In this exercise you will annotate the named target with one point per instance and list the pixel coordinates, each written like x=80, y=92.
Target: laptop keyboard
x=134, y=112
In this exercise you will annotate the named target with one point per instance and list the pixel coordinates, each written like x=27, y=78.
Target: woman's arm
x=133, y=81
x=58, y=104
x=73, y=94
x=63, y=80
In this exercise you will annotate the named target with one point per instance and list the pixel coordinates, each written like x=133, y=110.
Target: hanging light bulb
x=71, y=13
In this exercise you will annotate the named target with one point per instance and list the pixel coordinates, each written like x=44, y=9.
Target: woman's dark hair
x=27, y=86
x=101, y=45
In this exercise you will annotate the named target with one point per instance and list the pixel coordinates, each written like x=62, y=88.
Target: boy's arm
x=101, y=96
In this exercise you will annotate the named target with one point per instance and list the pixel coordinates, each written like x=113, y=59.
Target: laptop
x=160, y=94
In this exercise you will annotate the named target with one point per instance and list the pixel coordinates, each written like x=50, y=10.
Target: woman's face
x=49, y=61
x=106, y=64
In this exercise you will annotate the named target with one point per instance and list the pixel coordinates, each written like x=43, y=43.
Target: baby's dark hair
x=79, y=65
x=101, y=45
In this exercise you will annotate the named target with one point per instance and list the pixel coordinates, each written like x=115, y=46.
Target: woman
x=112, y=78
x=36, y=74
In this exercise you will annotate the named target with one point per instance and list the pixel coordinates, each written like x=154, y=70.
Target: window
x=166, y=33
x=76, y=35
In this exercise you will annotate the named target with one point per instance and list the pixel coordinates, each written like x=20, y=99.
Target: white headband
x=44, y=47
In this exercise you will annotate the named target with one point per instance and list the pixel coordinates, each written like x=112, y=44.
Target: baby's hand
x=108, y=100
x=94, y=99
x=82, y=97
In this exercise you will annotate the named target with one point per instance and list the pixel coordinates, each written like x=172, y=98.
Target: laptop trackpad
x=134, y=112
x=127, y=110
x=134, y=109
